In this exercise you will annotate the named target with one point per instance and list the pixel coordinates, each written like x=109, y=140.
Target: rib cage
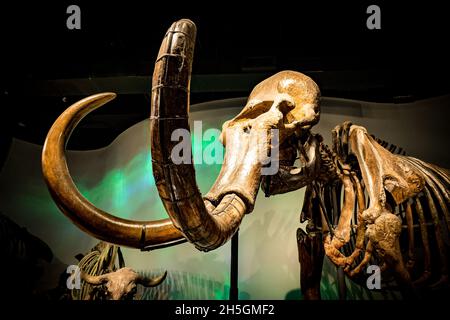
x=424, y=241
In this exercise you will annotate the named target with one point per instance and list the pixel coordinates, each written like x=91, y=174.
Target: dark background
x=45, y=67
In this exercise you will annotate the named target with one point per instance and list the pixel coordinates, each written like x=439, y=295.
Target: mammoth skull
x=285, y=105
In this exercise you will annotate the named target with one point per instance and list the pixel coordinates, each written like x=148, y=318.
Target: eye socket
x=247, y=129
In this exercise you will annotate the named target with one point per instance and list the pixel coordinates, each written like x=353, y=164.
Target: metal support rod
x=234, y=292
x=342, y=288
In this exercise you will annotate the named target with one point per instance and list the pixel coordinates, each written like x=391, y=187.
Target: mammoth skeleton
x=383, y=192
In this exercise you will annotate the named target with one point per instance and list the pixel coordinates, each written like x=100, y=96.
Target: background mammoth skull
x=122, y=284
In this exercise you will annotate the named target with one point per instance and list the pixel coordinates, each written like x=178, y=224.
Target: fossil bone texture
x=384, y=192
x=103, y=279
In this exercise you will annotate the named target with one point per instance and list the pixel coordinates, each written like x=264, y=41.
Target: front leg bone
x=361, y=226
x=341, y=235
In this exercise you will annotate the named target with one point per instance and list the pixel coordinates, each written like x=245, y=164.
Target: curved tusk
x=96, y=222
x=203, y=224
x=152, y=282
x=94, y=280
